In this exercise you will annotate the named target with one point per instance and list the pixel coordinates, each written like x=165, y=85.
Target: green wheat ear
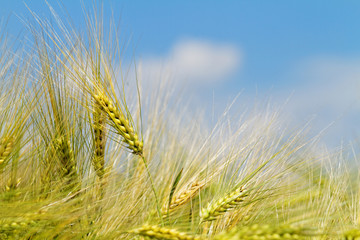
x=223, y=205
x=268, y=232
x=155, y=232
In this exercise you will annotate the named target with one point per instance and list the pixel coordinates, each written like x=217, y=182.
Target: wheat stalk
x=121, y=124
x=156, y=232
x=223, y=205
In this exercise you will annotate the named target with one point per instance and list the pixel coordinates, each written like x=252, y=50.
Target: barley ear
x=121, y=124
x=98, y=160
x=223, y=205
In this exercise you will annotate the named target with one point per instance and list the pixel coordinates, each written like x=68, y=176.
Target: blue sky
x=307, y=51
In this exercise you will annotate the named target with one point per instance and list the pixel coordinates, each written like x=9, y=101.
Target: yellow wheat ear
x=121, y=124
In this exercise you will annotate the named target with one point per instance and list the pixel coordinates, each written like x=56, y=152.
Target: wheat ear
x=351, y=234
x=183, y=197
x=267, y=232
x=223, y=205
x=156, y=232
x=6, y=145
x=67, y=160
x=99, y=141
x=120, y=123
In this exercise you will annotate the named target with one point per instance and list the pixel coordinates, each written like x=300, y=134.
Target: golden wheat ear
x=122, y=125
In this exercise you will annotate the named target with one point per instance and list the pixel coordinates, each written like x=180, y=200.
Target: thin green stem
x=153, y=188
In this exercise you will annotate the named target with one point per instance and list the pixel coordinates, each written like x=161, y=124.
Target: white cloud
x=329, y=83
x=329, y=90
x=195, y=61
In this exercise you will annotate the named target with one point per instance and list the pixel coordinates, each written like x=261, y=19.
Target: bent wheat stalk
x=131, y=138
x=223, y=205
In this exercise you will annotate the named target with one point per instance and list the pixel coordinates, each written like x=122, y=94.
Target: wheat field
x=85, y=156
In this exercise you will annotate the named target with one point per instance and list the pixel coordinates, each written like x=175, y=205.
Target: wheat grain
x=121, y=124
x=156, y=232
x=223, y=205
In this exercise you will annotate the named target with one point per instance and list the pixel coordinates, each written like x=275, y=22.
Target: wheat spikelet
x=266, y=232
x=121, y=124
x=99, y=141
x=6, y=145
x=156, y=232
x=183, y=197
x=223, y=205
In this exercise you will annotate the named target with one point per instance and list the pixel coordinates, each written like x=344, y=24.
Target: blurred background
x=301, y=55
